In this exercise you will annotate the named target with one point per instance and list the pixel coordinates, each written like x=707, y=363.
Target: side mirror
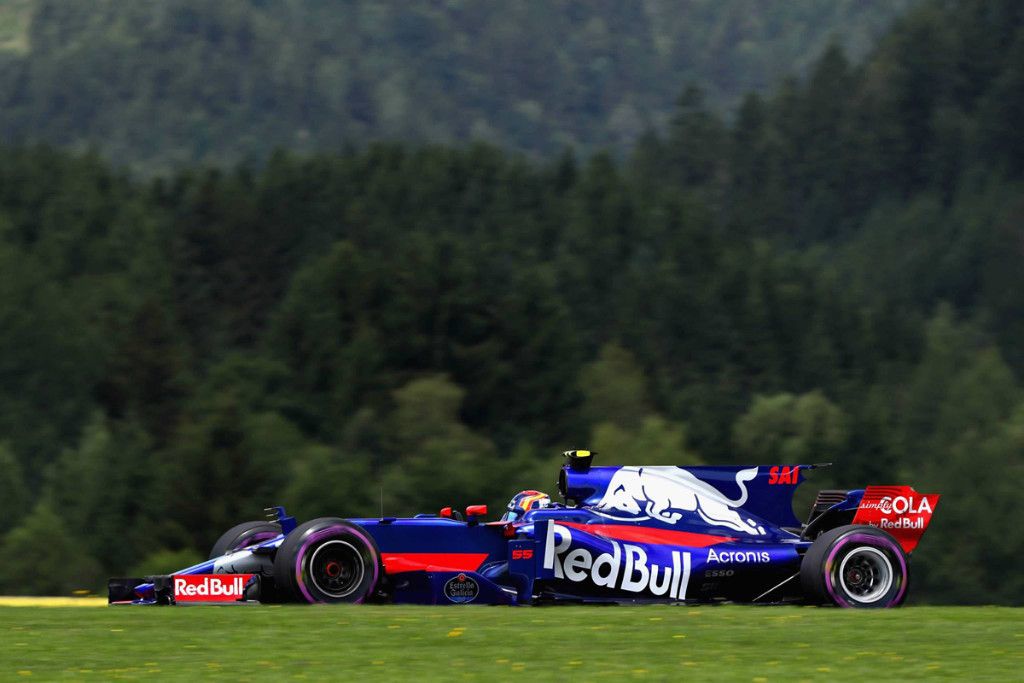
x=450, y=513
x=474, y=513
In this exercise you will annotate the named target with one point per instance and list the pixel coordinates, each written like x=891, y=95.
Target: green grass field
x=496, y=643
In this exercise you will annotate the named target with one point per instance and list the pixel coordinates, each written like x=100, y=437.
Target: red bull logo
x=666, y=494
x=626, y=567
x=210, y=587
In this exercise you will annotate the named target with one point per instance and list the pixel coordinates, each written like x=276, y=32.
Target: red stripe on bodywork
x=395, y=563
x=642, y=534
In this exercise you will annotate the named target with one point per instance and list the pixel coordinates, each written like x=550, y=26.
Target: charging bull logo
x=666, y=493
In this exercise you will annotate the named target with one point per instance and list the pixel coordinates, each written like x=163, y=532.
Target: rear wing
x=900, y=511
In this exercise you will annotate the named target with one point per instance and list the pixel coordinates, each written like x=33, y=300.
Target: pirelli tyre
x=244, y=535
x=855, y=566
x=328, y=560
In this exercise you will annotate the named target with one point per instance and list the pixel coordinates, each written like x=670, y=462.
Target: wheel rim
x=336, y=568
x=866, y=574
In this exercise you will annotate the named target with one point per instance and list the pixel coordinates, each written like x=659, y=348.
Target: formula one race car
x=623, y=534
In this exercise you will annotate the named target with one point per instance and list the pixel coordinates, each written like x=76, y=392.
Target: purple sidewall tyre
x=328, y=560
x=855, y=566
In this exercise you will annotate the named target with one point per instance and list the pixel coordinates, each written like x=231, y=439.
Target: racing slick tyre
x=243, y=536
x=855, y=566
x=328, y=560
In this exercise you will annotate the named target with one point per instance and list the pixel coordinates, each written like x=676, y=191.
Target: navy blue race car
x=623, y=534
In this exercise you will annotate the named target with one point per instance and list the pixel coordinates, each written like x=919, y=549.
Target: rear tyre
x=328, y=560
x=855, y=566
x=243, y=536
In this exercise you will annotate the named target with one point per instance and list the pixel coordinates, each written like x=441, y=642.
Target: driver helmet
x=523, y=502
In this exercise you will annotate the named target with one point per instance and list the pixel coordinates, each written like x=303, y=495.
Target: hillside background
x=159, y=84
x=829, y=270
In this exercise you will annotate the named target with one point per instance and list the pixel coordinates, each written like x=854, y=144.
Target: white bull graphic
x=665, y=493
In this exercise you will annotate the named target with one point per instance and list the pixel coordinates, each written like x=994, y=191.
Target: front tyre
x=243, y=536
x=328, y=560
x=855, y=566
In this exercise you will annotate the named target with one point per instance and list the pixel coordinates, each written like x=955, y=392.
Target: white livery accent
x=625, y=568
x=665, y=493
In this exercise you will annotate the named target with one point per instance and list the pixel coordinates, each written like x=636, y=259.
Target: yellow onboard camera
x=579, y=461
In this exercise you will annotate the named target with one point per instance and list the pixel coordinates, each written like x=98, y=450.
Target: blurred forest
x=160, y=84
x=834, y=274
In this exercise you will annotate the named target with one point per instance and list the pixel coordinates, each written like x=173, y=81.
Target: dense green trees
x=44, y=541
x=830, y=276
x=14, y=491
x=159, y=85
x=787, y=428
